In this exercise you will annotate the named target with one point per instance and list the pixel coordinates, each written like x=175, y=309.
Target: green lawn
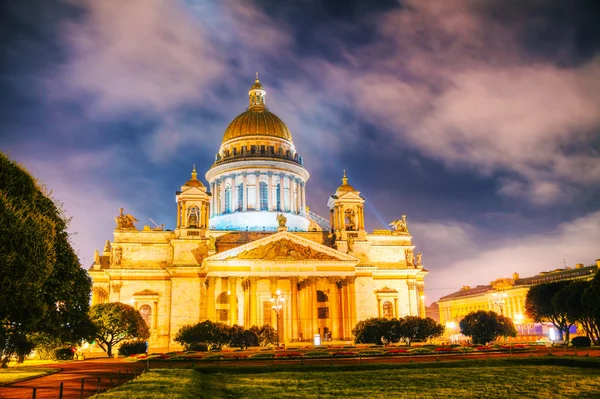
x=159, y=384
x=525, y=378
x=17, y=373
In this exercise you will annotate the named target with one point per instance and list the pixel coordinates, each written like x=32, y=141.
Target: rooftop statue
x=399, y=226
x=125, y=221
x=282, y=220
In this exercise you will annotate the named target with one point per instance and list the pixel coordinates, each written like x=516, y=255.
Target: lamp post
x=277, y=300
x=500, y=300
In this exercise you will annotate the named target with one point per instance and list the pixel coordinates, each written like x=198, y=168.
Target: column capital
x=244, y=174
x=351, y=279
x=333, y=279
x=420, y=287
x=294, y=279
x=273, y=280
x=257, y=173
x=410, y=284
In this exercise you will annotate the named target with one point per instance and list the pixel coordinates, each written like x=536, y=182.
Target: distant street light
x=500, y=300
x=278, y=301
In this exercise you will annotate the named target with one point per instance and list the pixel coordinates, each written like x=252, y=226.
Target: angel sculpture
x=282, y=220
x=399, y=225
x=125, y=221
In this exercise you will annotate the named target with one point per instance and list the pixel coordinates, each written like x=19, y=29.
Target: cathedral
x=247, y=250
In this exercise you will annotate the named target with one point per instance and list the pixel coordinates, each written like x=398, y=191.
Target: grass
x=555, y=377
x=18, y=373
x=159, y=384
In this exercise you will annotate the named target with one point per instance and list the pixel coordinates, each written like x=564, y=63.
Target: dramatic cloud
x=457, y=86
x=458, y=258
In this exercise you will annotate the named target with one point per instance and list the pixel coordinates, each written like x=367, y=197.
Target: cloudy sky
x=479, y=119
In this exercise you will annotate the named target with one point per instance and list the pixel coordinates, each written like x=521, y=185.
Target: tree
x=591, y=307
x=485, y=326
x=115, y=322
x=570, y=301
x=267, y=335
x=413, y=327
x=540, y=306
x=213, y=335
x=376, y=330
x=239, y=337
x=430, y=329
x=44, y=288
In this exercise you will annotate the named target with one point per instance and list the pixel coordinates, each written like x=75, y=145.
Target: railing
x=320, y=220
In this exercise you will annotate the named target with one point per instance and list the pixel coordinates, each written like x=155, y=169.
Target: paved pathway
x=71, y=376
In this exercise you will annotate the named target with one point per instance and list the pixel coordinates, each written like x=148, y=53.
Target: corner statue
x=399, y=226
x=125, y=222
x=282, y=220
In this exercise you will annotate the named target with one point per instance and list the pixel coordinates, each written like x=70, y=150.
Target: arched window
x=193, y=216
x=278, y=196
x=264, y=196
x=240, y=197
x=349, y=219
x=228, y=199
x=388, y=311
x=146, y=312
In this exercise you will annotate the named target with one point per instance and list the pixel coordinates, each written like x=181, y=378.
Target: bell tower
x=192, y=204
x=346, y=209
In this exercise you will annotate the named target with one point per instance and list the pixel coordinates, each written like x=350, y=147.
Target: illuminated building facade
x=248, y=238
x=505, y=296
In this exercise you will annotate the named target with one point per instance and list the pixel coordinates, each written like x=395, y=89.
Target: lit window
x=240, y=197
x=228, y=199
x=264, y=196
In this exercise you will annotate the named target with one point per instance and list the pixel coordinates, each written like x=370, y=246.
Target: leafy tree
x=43, y=285
x=570, y=301
x=430, y=329
x=591, y=307
x=267, y=335
x=214, y=335
x=485, y=326
x=539, y=305
x=413, y=327
x=242, y=338
x=115, y=322
x=376, y=330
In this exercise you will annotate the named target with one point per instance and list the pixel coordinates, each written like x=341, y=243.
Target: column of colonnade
x=299, y=319
x=296, y=196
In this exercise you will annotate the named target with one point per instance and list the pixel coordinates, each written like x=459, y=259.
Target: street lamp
x=277, y=301
x=500, y=300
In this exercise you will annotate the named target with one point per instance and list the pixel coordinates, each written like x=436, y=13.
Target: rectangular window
x=253, y=149
x=262, y=149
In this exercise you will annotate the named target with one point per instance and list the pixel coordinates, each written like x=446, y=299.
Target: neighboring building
x=433, y=311
x=250, y=240
x=505, y=296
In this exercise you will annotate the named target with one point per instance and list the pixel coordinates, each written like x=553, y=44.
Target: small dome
x=194, y=182
x=345, y=187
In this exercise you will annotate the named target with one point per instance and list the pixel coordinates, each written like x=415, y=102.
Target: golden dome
x=257, y=120
x=345, y=187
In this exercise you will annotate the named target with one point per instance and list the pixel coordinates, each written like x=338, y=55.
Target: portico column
x=210, y=298
x=245, y=192
x=378, y=307
x=281, y=193
x=421, y=295
x=334, y=310
x=352, y=304
x=253, y=301
x=314, y=305
x=270, y=189
x=257, y=192
x=396, y=308
x=294, y=304
x=178, y=214
x=273, y=285
x=232, y=300
x=411, y=287
x=344, y=307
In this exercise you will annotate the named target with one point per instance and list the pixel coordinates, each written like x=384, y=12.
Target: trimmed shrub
x=262, y=356
x=371, y=353
x=63, y=354
x=199, y=347
x=581, y=342
x=129, y=348
x=317, y=354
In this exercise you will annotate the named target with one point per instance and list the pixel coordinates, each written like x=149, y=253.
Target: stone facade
x=251, y=240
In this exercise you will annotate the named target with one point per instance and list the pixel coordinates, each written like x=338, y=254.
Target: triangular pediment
x=283, y=247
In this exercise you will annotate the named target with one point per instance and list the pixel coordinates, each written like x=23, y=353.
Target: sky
x=478, y=119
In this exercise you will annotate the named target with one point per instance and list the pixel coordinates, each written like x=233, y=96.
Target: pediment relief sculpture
x=284, y=250
x=386, y=290
x=146, y=292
